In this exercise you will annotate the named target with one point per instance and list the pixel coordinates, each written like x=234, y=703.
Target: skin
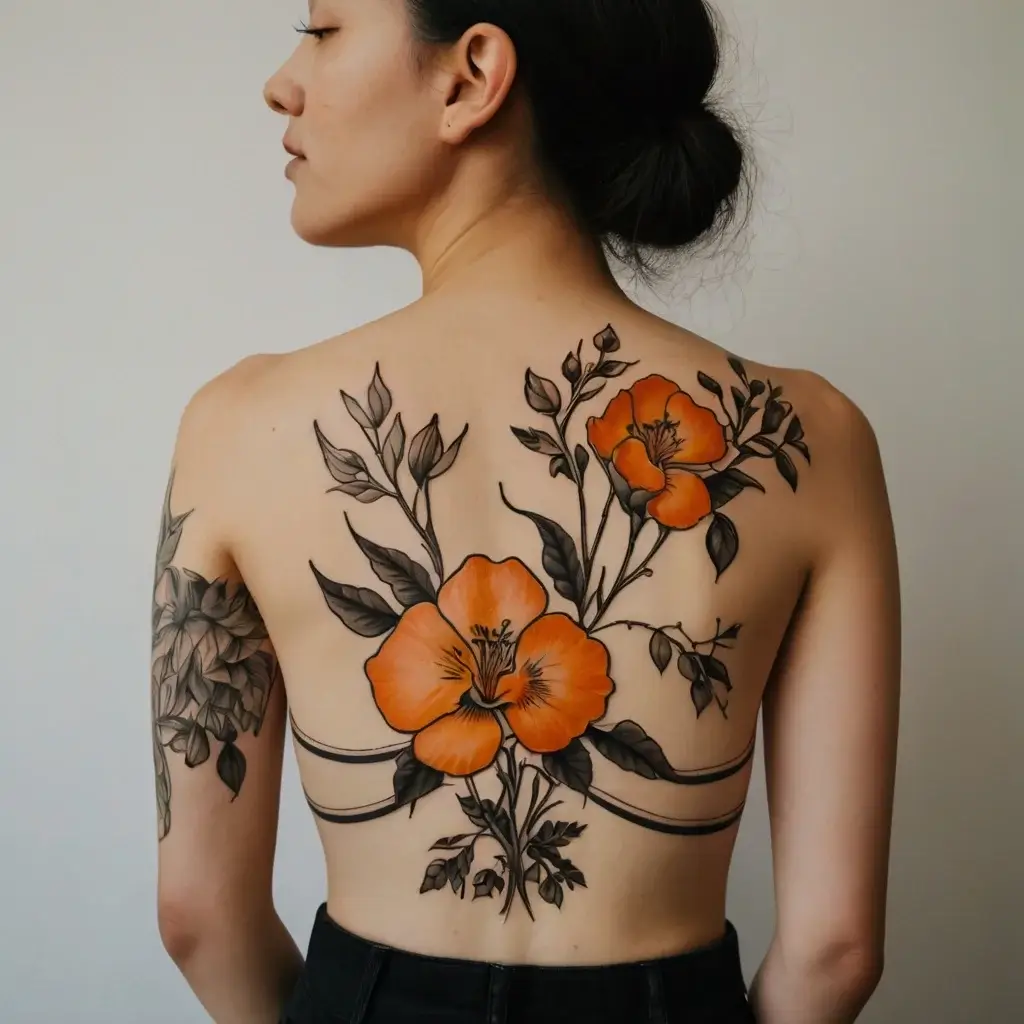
x=429, y=151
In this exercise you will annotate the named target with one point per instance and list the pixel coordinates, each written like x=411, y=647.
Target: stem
x=513, y=853
x=577, y=478
x=428, y=538
x=626, y=578
x=604, y=523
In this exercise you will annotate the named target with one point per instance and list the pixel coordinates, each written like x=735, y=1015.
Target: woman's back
x=522, y=741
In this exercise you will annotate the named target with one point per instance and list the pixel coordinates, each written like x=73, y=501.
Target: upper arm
x=217, y=695
x=831, y=710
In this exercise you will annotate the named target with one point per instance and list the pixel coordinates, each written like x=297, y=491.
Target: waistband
x=346, y=969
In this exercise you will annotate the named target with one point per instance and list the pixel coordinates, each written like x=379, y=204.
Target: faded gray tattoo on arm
x=211, y=677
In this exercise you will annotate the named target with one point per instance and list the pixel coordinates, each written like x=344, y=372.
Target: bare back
x=526, y=592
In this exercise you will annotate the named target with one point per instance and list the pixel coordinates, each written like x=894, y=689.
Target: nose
x=283, y=94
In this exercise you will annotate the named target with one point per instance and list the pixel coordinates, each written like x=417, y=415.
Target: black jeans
x=348, y=980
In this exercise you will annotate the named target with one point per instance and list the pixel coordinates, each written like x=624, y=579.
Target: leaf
x=344, y=465
x=414, y=780
x=756, y=388
x=457, y=869
x=542, y=394
x=715, y=669
x=709, y=384
x=482, y=814
x=408, y=580
x=607, y=340
x=487, y=883
x=582, y=457
x=723, y=543
x=448, y=459
x=378, y=398
x=363, y=611
x=231, y=767
x=795, y=430
x=591, y=393
x=551, y=892
x=802, y=448
x=661, y=650
x=612, y=368
x=774, y=414
x=559, y=557
x=738, y=368
x=537, y=441
x=436, y=876
x=394, y=447
x=425, y=452
x=571, y=368
x=740, y=399
x=560, y=467
x=787, y=469
x=452, y=842
x=689, y=666
x=197, y=746
x=572, y=767
x=630, y=748
x=365, y=491
x=731, y=633
x=532, y=873
x=357, y=412
x=559, y=833
x=702, y=695
x=729, y=484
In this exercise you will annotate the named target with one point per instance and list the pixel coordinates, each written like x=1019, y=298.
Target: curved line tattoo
x=660, y=823
x=380, y=755
x=353, y=815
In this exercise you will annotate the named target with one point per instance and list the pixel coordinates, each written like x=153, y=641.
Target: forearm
x=242, y=971
x=831, y=988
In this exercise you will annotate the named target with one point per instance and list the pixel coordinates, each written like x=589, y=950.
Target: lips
x=291, y=148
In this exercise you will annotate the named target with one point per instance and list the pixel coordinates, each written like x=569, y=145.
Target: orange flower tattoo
x=654, y=434
x=484, y=657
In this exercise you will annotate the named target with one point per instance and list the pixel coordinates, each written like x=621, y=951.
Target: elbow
x=852, y=967
x=182, y=927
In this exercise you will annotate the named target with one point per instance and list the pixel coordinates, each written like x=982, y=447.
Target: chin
x=335, y=231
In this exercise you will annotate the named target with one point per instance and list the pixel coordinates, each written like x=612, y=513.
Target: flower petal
x=605, y=432
x=650, y=398
x=421, y=671
x=633, y=462
x=685, y=501
x=486, y=593
x=701, y=436
x=460, y=744
x=560, y=685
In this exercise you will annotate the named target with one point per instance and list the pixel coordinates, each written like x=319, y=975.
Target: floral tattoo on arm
x=210, y=678
x=491, y=685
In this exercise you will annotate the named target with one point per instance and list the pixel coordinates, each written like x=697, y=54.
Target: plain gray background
x=145, y=246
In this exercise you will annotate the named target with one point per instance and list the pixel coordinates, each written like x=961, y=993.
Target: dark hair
x=619, y=95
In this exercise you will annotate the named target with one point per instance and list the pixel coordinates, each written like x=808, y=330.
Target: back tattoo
x=499, y=680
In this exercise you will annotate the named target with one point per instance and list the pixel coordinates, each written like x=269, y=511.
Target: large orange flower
x=484, y=655
x=654, y=434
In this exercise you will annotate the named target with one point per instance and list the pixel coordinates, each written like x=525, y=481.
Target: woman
x=526, y=593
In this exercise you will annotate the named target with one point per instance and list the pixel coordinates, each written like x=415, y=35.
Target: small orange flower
x=654, y=434
x=451, y=673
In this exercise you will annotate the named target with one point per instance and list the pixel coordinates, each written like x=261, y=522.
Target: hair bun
x=670, y=190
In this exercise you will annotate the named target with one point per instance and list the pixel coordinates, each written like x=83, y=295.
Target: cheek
x=373, y=148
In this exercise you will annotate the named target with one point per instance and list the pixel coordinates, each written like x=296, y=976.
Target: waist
x=349, y=976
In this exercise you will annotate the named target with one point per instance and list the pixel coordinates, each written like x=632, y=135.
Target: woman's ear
x=481, y=69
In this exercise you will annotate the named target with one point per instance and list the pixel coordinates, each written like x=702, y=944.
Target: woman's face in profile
x=363, y=117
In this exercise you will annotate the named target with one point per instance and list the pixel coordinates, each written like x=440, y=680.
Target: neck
x=524, y=243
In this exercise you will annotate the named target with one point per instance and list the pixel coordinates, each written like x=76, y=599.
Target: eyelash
x=317, y=33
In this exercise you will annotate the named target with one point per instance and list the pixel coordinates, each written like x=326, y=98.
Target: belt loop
x=656, y=995
x=497, y=994
x=374, y=962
